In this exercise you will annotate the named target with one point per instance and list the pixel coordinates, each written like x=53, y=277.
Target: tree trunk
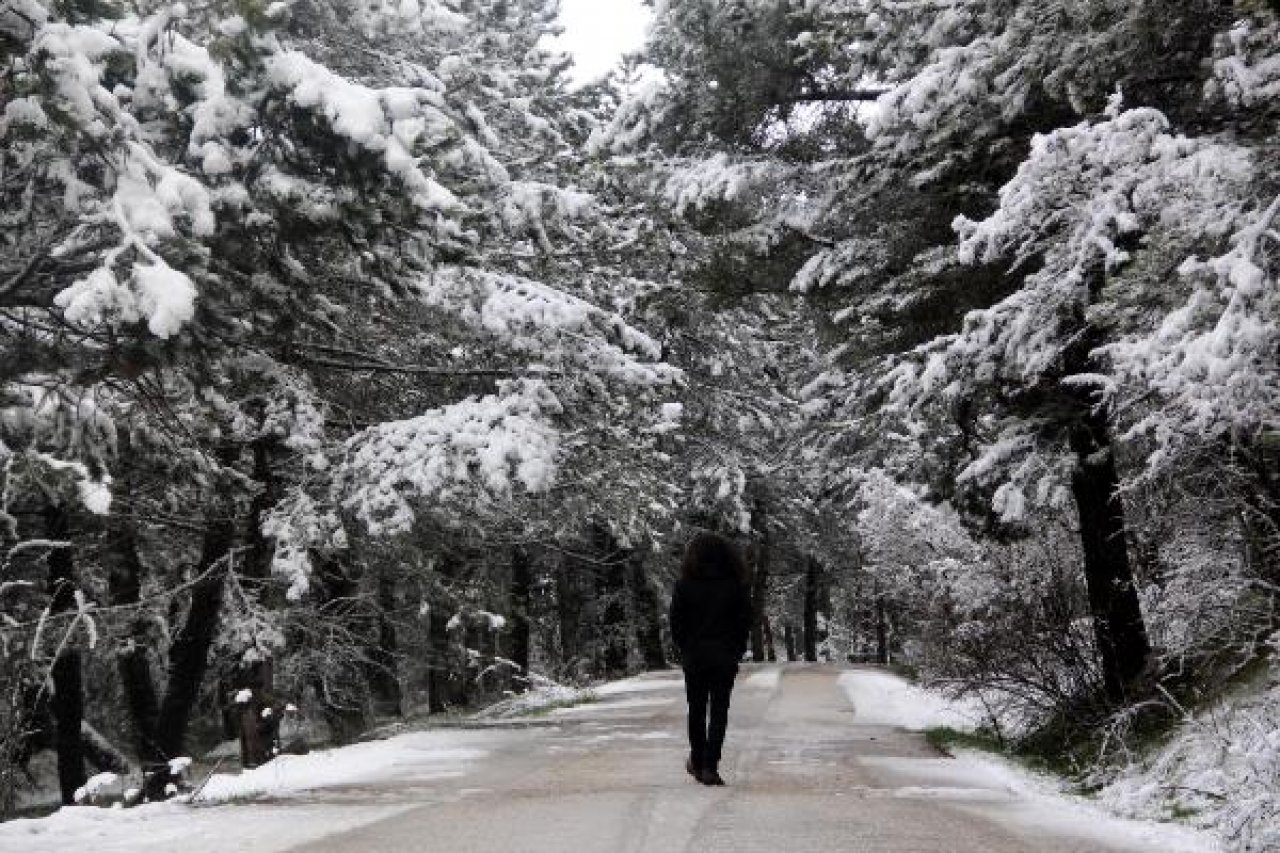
x=384, y=671
x=254, y=749
x=882, y=626
x=67, y=702
x=1260, y=518
x=134, y=657
x=810, y=623
x=335, y=589
x=611, y=611
x=261, y=550
x=189, y=653
x=759, y=599
x=257, y=676
x=1118, y=626
x=68, y=713
x=438, y=654
x=345, y=722
x=648, y=612
x=569, y=606
x=137, y=677
x=462, y=685
x=438, y=646
x=521, y=605
x=758, y=564
x=789, y=640
x=496, y=681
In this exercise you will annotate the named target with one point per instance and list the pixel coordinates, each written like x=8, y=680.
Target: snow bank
x=1042, y=805
x=1027, y=803
x=285, y=821
x=549, y=695
x=641, y=684
x=173, y=826
x=604, y=708
x=766, y=679
x=881, y=699
x=560, y=698
x=416, y=757
x=1126, y=816
x=1221, y=772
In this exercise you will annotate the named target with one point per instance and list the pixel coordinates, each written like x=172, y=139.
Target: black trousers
x=708, y=691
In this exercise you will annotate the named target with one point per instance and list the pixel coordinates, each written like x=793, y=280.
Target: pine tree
x=1015, y=408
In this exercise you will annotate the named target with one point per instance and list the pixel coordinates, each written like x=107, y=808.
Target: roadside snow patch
x=1220, y=770
x=881, y=699
x=642, y=684
x=165, y=827
x=767, y=679
x=608, y=707
x=416, y=757
x=1029, y=804
x=543, y=698
x=1043, y=805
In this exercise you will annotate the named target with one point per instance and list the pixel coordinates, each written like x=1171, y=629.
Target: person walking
x=710, y=619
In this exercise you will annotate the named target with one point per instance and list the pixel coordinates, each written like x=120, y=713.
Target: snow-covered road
x=817, y=760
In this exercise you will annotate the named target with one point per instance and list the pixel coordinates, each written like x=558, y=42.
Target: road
x=804, y=775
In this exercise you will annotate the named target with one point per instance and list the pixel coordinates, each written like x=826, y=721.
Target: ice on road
x=818, y=759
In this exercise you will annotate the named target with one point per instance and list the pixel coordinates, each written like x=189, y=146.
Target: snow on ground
x=543, y=698
x=996, y=787
x=1042, y=804
x=1029, y=803
x=1219, y=773
x=1221, y=770
x=616, y=735
x=284, y=821
x=641, y=684
x=605, y=707
x=417, y=757
x=276, y=806
x=554, y=698
x=765, y=679
x=882, y=699
x=173, y=826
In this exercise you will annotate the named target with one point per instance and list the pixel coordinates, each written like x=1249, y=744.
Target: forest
x=356, y=365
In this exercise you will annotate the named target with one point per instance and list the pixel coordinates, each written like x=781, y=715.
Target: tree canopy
x=350, y=357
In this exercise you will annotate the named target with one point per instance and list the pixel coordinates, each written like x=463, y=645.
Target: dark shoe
x=711, y=776
x=691, y=770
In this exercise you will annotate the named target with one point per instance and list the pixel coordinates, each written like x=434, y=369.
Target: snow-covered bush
x=1219, y=770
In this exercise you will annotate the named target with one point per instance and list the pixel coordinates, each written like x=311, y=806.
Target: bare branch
x=415, y=369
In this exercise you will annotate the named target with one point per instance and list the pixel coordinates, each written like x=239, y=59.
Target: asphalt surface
x=804, y=775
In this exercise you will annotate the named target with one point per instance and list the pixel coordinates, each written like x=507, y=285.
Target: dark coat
x=710, y=620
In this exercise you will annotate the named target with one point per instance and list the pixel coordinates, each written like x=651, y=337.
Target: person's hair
x=709, y=555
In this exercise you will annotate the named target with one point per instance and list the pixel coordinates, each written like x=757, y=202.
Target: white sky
x=599, y=32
